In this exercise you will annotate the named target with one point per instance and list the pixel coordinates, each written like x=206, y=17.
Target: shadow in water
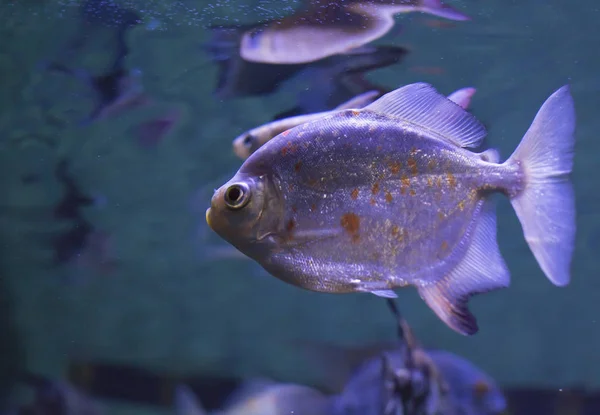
x=11, y=355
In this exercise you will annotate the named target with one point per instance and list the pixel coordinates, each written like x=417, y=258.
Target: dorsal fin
x=358, y=101
x=421, y=105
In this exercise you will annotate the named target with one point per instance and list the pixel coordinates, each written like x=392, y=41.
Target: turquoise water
x=156, y=289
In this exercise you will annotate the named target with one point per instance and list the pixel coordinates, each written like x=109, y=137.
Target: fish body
x=330, y=28
x=390, y=195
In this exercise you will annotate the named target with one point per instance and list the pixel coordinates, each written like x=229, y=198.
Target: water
x=143, y=292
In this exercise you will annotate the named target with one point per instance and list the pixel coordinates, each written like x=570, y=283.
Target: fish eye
x=237, y=196
x=248, y=140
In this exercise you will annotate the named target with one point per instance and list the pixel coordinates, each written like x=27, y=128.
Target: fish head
x=254, y=44
x=246, y=211
x=246, y=144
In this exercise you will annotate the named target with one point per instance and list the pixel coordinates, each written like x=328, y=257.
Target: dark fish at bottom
x=389, y=195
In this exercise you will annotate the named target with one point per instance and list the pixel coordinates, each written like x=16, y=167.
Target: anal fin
x=482, y=269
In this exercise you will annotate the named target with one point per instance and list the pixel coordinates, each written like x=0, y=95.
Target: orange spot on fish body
x=461, y=205
x=441, y=216
x=313, y=207
x=398, y=233
x=395, y=167
x=451, y=180
x=351, y=224
x=388, y=197
x=412, y=165
x=372, y=202
x=289, y=147
x=355, y=113
x=412, y=192
x=405, y=180
x=375, y=188
x=297, y=166
x=290, y=225
x=444, y=245
x=285, y=133
x=354, y=194
x=429, y=181
x=438, y=181
x=431, y=164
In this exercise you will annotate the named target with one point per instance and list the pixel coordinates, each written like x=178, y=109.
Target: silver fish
x=390, y=195
x=323, y=29
x=250, y=141
x=260, y=397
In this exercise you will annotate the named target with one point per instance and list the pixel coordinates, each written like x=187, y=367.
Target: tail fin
x=546, y=205
x=437, y=8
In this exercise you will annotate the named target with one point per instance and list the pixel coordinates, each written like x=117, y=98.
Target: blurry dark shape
x=119, y=88
x=405, y=378
x=151, y=132
x=70, y=243
x=73, y=199
x=55, y=397
x=399, y=380
x=238, y=78
x=118, y=382
x=338, y=79
x=12, y=358
x=103, y=14
x=323, y=29
x=30, y=178
x=531, y=400
x=108, y=13
x=82, y=245
x=138, y=386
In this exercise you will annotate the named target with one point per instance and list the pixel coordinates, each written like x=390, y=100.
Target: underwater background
x=136, y=278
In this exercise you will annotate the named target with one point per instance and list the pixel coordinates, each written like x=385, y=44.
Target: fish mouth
x=208, y=217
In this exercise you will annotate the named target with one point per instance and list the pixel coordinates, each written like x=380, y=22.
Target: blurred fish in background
x=322, y=29
x=238, y=78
